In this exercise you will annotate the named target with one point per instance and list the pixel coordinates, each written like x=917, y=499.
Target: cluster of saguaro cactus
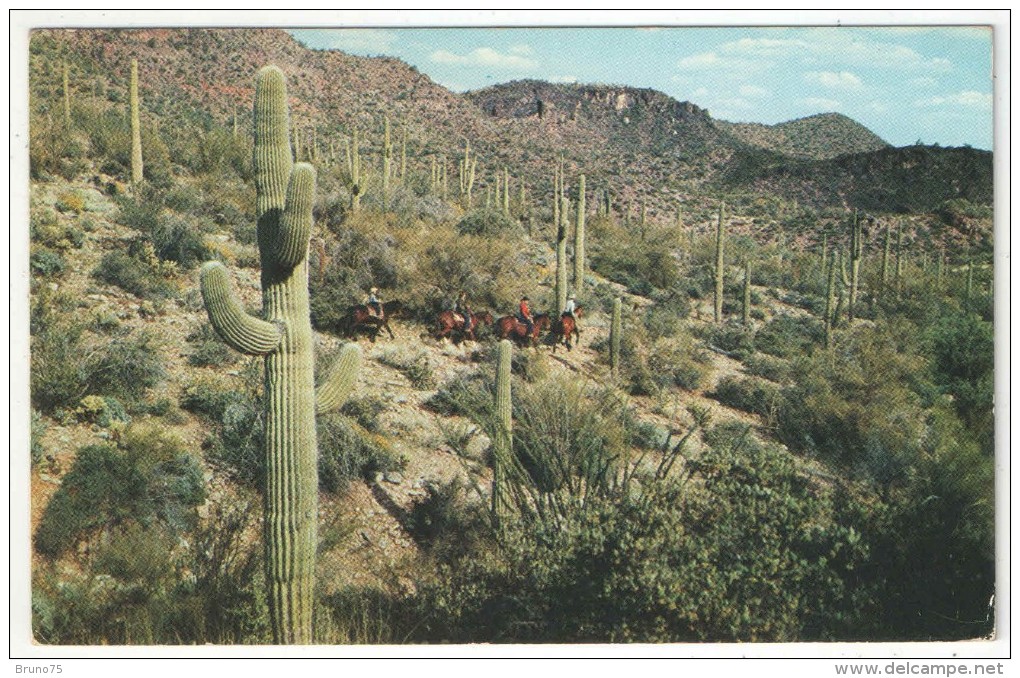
x=285, y=195
x=615, y=336
x=579, y=262
x=719, y=265
x=136, y=126
x=504, y=424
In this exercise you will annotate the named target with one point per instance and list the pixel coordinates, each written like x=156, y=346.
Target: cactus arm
x=239, y=330
x=296, y=221
x=334, y=390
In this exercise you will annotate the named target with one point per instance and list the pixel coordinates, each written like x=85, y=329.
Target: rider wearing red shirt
x=524, y=315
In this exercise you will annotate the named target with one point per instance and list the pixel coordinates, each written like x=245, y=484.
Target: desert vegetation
x=777, y=424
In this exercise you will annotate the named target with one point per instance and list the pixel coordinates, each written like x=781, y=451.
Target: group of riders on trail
x=466, y=321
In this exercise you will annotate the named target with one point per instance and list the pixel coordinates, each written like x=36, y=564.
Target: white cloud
x=752, y=91
x=821, y=102
x=840, y=80
x=484, y=56
x=521, y=50
x=968, y=98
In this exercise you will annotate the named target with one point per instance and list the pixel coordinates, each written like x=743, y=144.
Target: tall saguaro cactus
x=719, y=259
x=504, y=425
x=136, y=127
x=285, y=195
x=579, y=262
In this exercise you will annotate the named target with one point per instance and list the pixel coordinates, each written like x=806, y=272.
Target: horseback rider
x=571, y=307
x=374, y=303
x=524, y=315
x=462, y=308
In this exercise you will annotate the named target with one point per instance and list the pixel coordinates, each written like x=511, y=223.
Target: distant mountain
x=641, y=145
x=819, y=137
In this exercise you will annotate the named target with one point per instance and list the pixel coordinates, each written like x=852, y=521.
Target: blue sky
x=904, y=83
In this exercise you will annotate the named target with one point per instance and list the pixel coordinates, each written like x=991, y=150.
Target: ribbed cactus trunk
x=504, y=426
x=561, y=259
x=556, y=195
x=579, y=263
x=719, y=265
x=615, y=335
x=285, y=195
x=136, y=127
x=898, y=280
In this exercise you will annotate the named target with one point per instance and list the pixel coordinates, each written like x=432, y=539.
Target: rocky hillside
x=816, y=137
x=641, y=145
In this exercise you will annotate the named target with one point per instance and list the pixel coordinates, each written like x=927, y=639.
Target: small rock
x=393, y=477
x=383, y=543
x=378, y=479
x=52, y=287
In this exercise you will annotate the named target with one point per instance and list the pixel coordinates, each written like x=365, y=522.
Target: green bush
x=490, y=223
x=756, y=396
x=150, y=476
x=210, y=351
x=46, y=263
x=348, y=452
x=137, y=271
x=788, y=336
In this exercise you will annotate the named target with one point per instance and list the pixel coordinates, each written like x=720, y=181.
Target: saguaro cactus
x=561, y=258
x=579, y=238
x=719, y=247
x=136, y=127
x=504, y=424
x=283, y=336
x=615, y=335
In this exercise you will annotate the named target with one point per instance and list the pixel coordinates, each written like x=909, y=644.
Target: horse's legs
x=387, y=326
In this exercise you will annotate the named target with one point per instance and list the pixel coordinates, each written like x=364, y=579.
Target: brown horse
x=450, y=322
x=565, y=328
x=361, y=319
x=510, y=327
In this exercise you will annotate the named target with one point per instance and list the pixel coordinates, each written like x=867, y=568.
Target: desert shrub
x=141, y=211
x=348, y=452
x=768, y=367
x=37, y=429
x=677, y=362
x=210, y=398
x=463, y=395
x=59, y=369
x=102, y=411
x=127, y=367
x=365, y=411
x=665, y=318
x=734, y=338
x=176, y=239
x=70, y=201
x=967, y=374
x=46, y=263
x=138, y=271
x=756, y=396
x=491, y=223
x=210, y=350
x=788, y=336
x=414, y=365
x=150, y=476
x=663, y=563
x=856, y=409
